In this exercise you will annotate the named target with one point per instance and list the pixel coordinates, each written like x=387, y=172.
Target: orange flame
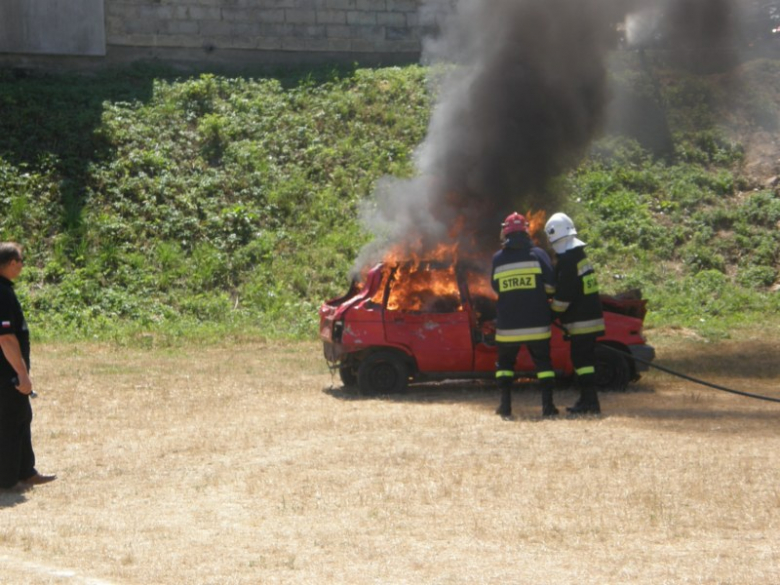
x=536, y=221
x=416, y=286
x=416, y=289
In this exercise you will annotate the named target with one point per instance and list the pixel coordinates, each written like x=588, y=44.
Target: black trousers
x=507, y=356
x=583, y=358
x=17, y=460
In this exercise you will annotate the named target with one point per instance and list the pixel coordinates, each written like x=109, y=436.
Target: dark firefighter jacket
x=522, y=275
x=576, y=299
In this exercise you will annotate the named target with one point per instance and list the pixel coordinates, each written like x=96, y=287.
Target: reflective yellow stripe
x=517, y=272
x=584, y=266
x=522, y=338
x=526, y=267
x=523, y=334
x=505, y=374
x=559, y=306
x=549, y=289
x=585, y=370
x=583, y=327
x=544, y=375
x=587, y=331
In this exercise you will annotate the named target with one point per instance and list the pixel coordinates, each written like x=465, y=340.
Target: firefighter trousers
x=540, y=354
x=583, y=358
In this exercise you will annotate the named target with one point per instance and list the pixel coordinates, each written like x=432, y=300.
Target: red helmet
x=514, y=223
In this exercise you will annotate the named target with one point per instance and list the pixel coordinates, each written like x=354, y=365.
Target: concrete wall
x=246, y=31
x=54, y=27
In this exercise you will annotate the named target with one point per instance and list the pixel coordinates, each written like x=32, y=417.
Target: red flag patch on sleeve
x=5, y=324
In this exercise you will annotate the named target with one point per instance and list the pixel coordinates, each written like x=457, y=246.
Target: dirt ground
x=250, y=464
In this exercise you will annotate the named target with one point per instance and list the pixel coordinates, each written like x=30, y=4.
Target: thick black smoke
x=703, y=35
x=524, y=94
x=525, y=100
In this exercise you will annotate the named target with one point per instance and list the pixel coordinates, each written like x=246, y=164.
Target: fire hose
x=680, y=375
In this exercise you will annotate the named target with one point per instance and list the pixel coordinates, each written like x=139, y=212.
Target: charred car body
x=421, y=321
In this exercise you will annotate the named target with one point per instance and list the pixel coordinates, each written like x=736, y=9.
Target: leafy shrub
x=756, y=276
x=152, y=202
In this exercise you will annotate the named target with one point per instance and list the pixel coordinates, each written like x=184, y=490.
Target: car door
x=425, y=312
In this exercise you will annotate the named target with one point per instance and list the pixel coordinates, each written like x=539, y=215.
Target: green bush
x=155, y=206
x=756, y=277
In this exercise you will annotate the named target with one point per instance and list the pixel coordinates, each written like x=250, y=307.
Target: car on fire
x=420, y=321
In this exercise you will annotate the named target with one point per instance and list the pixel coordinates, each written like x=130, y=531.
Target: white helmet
x=560, y=232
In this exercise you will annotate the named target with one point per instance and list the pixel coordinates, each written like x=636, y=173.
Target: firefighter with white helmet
x=522, y=275
x=578, y=306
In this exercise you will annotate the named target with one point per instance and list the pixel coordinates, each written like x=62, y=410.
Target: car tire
x=348, y=375
x=612, y=370
x=383, y=372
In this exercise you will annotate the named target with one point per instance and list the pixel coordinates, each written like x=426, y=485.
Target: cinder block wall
x=312, y=26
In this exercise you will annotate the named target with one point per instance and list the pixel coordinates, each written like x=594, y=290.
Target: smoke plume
x=702, y=34
x=523, y=96
x=524, y=93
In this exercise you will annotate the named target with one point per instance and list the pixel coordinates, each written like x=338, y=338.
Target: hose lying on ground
x=692, y=379
x=678, y=374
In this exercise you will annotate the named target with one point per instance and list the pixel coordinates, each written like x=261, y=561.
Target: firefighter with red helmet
x=522, y=275
x=578, y=306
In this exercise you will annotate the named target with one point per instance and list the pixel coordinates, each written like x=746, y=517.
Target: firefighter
x=522, y=275
x=578, y=306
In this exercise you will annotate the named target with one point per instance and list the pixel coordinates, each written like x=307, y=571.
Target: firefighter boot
x=588, y=402
x=548, y=408
x=505, y=408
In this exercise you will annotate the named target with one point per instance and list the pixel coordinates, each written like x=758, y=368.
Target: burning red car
x=420, y=321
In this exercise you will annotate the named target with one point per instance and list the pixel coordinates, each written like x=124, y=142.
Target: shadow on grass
x=749, y=359
x=694, y=409
x=11, y=499
x=449, y=391
x=462, y=391
x=50, y=121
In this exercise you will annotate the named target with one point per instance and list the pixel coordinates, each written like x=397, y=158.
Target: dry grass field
x=250, y=464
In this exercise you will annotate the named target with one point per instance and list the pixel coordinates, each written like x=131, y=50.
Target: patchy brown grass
x=251, y=465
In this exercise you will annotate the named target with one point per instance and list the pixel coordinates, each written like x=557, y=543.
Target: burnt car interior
x=424, y=288
x=436, y=287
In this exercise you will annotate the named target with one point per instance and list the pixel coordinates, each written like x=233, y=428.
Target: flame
x=416, y=285
x=426, y=280
x=536, y=221
x=416, y=289
x=479, y=285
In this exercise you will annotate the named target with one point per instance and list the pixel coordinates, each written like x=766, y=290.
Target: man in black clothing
x=578, y=306
x=17, y=460
x=522, y=276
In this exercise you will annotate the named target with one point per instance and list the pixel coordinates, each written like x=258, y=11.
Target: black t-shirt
x=12, y=322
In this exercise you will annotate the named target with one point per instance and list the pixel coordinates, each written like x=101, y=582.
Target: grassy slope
x=178, y=206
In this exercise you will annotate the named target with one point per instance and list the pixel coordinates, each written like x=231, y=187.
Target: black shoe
x=503, y=411
x=548, y=406
x=39, y=479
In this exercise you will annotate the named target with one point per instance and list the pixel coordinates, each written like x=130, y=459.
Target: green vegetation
x=154, y=207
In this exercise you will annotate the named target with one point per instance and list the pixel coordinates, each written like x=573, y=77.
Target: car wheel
x=383, y=372
x=612, y=370
x=348, y=375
